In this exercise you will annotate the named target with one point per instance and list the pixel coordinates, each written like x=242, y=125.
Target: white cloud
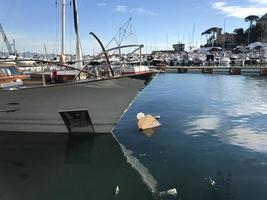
x=121, y=8
x=143, y=11
x=139, y=11
x=259, y=1
x=101, y=4
x=256, y=7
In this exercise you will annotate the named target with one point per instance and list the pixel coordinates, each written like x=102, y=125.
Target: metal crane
x=8, y=45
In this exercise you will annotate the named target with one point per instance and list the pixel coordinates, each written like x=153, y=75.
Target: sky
x=155, y=23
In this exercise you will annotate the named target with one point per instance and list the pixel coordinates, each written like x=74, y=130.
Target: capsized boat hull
x=38, y=109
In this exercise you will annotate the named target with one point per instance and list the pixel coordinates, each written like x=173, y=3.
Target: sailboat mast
x=63, y=29
x=79, y=58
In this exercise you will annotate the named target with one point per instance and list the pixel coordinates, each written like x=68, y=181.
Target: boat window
x=9, y=71
x=2, y=72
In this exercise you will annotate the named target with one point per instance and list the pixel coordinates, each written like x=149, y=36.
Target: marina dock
x=232, y=70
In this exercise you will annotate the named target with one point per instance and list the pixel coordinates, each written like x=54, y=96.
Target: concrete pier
x=207, y=70
x=182, y=70
x=235, y=71
x=232, y=70
x=263, y=72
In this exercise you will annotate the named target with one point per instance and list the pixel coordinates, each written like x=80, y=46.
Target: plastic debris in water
x=142, y=155
x=211, y=182
x=171, y=192
x=117, y=191
x=156, y=116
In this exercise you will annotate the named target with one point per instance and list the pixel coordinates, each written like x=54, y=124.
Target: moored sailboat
x=90, y=105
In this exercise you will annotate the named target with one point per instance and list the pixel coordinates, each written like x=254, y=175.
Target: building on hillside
x=162, y=52
x=179, y=47
x=226, y=40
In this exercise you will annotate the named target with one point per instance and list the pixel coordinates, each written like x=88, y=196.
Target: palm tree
x=212, y=31
x=207, y=33
x=251, y=19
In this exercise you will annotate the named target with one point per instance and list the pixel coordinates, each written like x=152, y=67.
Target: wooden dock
x=232, y=70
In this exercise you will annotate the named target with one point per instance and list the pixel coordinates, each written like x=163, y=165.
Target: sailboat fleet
x=88, y=103
x=213, y=56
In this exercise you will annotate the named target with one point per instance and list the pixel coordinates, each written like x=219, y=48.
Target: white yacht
x=224, y=60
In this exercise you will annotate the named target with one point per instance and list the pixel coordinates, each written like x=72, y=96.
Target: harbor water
x=57, y=167
x=212, y=145
x=213, y=140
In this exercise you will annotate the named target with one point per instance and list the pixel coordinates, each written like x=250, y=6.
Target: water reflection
x=203, y=124
x=248, y=97
x=79, y=149
x=221, y=185
x=54, y=166
x=248, y=138
x=239, y=135
x=149, y=132
x=247, y=108
x=214, y=126
x=143, y=171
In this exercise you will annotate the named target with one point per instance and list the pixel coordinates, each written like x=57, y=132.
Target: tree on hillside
x=256, y=33
x=240, y=36
x=251, y=19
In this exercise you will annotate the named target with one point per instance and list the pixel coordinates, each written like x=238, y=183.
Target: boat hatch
x=77, y=121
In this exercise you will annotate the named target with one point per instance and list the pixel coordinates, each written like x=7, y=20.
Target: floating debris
x=117, y=191
x=211, y=182
x=170, y=192
x=147, y=121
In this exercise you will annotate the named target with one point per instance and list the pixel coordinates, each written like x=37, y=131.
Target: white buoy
x=140, y=115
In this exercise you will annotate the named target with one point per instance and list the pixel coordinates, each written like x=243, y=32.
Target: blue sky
x=156, y=23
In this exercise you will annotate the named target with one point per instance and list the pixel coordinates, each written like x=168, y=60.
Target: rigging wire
x=70, y=29
x=121, y=34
